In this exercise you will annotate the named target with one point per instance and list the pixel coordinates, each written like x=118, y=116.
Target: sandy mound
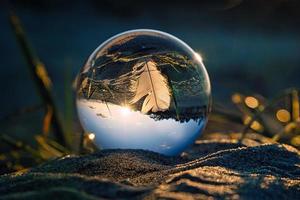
x=218, y=169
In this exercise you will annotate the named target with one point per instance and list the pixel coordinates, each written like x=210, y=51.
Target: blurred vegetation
x=56, y=138
x=277, y=119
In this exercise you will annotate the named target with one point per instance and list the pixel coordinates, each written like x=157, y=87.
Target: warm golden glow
x=198, y=57
x=125, y=111
x=296, y=141
x=91, y=136
x=283, y=115
x=47, y=120
x=296, y=106
x=251, y=102
x=256, y=125
x=247, y=120
x=236, y=98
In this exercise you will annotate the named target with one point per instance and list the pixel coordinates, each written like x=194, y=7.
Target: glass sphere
x=144, y=89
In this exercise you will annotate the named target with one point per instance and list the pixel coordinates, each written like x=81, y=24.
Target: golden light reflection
x=198, y=57
x=125, y=111
x=91, y=136
x=251, y=102
x=283, y=115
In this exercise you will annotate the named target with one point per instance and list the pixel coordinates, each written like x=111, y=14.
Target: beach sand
x=219, y=168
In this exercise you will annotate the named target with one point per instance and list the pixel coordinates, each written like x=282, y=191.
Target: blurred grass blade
x=295, y=105
x=39, y=75
x=68, y=116
x=47, y=121
x=49, y=148
x=20, y=145
x=286, y=130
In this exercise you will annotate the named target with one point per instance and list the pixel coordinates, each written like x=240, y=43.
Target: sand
x=215, y=168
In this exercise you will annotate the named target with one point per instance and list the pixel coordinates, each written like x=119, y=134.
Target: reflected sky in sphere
x=144, y=89
x=127, y=129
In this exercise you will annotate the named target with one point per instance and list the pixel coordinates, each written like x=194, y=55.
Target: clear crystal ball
x=144, y=89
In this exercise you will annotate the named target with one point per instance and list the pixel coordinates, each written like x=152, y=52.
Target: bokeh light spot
x=283, y=115
x=251, y=102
